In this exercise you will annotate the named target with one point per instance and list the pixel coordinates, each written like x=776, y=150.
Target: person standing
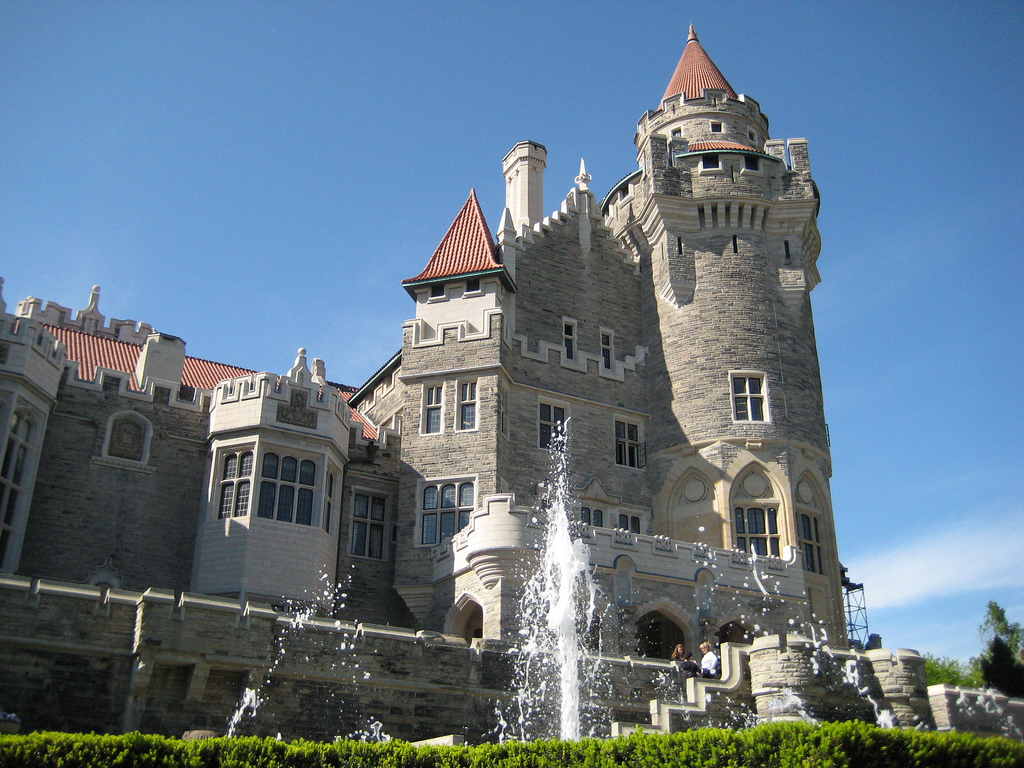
x=710, y=664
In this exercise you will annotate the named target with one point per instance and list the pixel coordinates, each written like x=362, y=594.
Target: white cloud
x=965, y=554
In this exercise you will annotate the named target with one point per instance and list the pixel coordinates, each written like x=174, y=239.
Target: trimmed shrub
x=780, y=745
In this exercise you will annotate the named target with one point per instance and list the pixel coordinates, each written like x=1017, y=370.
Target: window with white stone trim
x=235, y=483
x=467, y=405
x=569, y=339
x=433, y=409
x=444, y=509
x=15, y=465
x=287, y=489
x=749, y=395
x=757, y=529
x=607, y=349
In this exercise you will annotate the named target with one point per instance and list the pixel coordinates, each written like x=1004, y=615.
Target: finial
x=692, y=35
x=94, y=300
x=584, y=178
x=506, y=221
x=300, y=366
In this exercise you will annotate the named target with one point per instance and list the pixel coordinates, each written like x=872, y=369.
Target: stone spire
x=696, y=72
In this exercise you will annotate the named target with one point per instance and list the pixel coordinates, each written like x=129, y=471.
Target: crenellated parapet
x=89, y=320
x=294, y=402
x=30, y=354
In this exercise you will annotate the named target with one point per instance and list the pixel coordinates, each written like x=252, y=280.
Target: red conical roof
x=695, y=72
x=467, y=247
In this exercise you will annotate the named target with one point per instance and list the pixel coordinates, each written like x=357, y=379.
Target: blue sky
x=259, y=176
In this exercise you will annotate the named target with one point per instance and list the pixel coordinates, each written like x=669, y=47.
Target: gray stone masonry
x=80, y=658
x=451, y=453
x=87, y=508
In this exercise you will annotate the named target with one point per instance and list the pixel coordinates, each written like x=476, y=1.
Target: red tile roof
x=695, y=72
x=94, y=352
x=369, y=430
x=467, y=247
x=703, y=146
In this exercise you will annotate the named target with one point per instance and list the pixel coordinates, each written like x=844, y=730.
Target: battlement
x=89, y=320
x=300, y=398
x=29, y=351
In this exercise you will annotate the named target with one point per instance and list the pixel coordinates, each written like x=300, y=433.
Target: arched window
x=236, y=485
x=809, y=525
x=14, y=474
x=445, y=511
x=755, y=508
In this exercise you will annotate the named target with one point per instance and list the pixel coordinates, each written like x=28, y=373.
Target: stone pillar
x=904, y=685
x=782, y=677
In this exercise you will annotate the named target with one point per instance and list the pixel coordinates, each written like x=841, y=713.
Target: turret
x=724, y=224
x=524, y=167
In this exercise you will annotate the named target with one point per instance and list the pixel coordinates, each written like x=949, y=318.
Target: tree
x=1002, y=664
x=944, y=670
x=997, y=625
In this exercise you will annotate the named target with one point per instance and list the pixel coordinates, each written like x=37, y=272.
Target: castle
x=667, y=328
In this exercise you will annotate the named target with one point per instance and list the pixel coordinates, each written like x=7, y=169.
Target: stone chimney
x=524, y=167
x=162, y=357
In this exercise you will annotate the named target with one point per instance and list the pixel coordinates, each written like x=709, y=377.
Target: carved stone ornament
x=296, y=412
x=127, y=439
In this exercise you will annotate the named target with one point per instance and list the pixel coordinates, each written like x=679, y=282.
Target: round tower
x=722, y=219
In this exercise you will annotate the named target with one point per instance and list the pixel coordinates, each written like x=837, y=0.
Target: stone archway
x=468, y=622
x=657, y=635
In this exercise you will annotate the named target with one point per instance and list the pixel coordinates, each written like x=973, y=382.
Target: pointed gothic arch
x=693, y=514
x=662, y=625
x=756, y=511
x=465, y=619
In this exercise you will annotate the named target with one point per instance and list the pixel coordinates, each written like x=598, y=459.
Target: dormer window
x=716, y=127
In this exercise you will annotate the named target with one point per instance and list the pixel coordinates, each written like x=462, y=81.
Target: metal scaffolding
x=856, y=613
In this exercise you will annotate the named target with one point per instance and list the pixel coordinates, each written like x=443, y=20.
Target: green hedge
x=836, y=745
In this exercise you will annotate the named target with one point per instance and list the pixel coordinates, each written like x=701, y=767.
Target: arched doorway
x=469, y=622
x=657, y=635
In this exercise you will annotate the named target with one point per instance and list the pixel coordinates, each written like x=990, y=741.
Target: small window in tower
x=569, y=340
x=607, y=352
x=710, y=161
x=751, y=163
x=752, y=136
x=679, y=245
x=436, y=290
x=473, y=285
x=677, y=133
x=735, y=245
x=786, y=244
x=716, y=127
x=748, y=397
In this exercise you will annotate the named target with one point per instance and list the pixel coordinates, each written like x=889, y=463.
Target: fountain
x=559, y=601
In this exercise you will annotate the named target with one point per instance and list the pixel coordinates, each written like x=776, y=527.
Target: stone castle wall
x=88, y=507
x=80, y=658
